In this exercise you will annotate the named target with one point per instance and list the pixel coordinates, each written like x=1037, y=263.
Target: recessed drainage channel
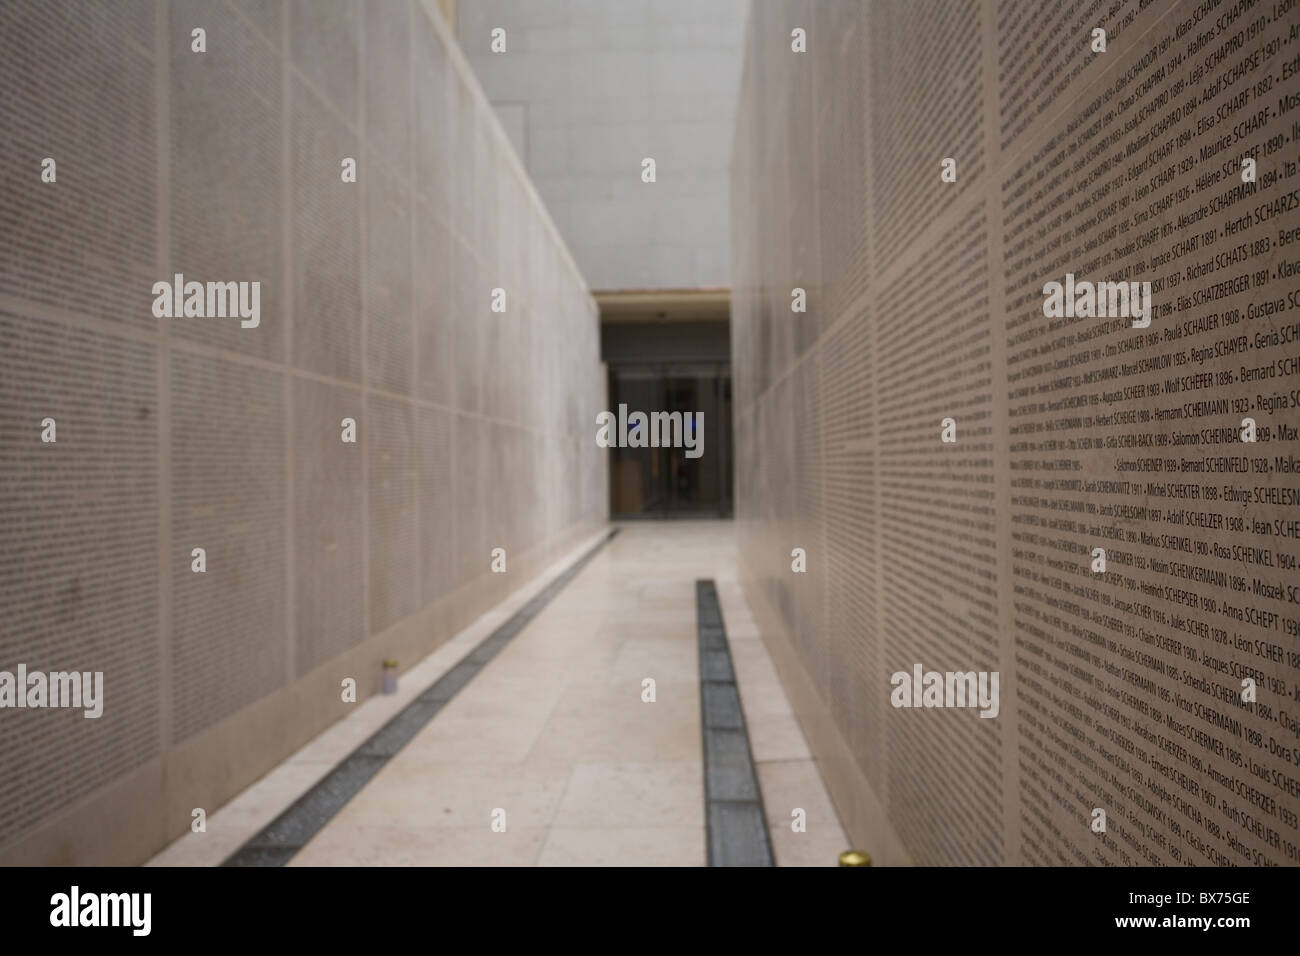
x=288, y=833
x=737, y=825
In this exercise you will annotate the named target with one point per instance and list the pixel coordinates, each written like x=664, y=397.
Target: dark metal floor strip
x=737, y=825
x=288, y=833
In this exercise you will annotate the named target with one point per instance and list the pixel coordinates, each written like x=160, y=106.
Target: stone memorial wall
x=340, y=157
x=1089, y=490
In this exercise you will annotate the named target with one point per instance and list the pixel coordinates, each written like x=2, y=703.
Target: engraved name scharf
x=210, y=300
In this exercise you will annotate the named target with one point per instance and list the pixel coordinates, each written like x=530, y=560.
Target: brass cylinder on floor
x=855, y=858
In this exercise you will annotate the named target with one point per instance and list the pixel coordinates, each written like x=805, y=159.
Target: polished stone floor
x=554, y=732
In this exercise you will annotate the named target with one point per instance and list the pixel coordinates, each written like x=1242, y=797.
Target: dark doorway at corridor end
x=670, y=352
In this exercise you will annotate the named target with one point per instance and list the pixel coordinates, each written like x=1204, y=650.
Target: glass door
x=667, y=481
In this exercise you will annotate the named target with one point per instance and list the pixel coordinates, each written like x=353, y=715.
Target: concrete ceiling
x=665, y=305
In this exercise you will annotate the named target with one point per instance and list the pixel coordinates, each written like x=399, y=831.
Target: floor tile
x=633, y=795
x=624, y=846
x=553, y=730
x=402, y=846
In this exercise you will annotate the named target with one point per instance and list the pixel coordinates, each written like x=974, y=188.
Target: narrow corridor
x=555, y=733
